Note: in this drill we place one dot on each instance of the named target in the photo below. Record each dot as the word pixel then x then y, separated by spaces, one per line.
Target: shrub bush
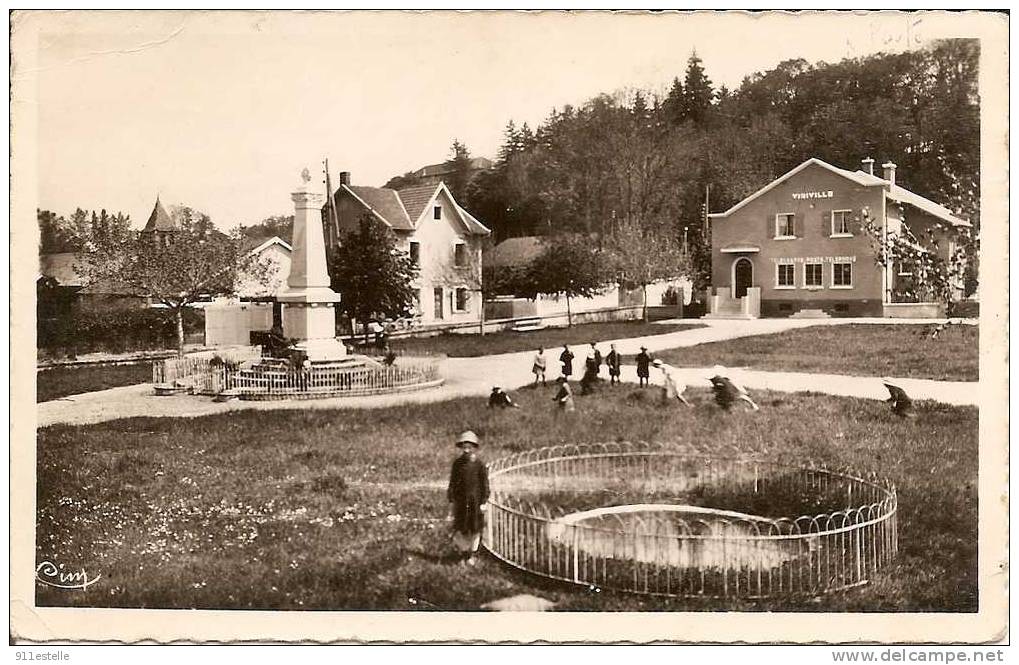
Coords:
pixel 113 331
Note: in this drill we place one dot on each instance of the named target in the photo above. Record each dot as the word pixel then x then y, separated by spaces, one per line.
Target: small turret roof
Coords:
pixel 159 220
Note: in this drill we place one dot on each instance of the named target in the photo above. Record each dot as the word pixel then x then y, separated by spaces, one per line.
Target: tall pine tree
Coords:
pixel 697 91
pixel 674 103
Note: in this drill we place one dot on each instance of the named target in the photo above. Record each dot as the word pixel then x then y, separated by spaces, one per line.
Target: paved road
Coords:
pixel 476 376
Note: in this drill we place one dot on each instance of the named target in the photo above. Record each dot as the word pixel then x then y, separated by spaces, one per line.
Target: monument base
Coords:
pixel 322 350
pixel 309 316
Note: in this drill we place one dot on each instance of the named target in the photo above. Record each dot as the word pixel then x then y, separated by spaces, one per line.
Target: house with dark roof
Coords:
pixel 514 252
pixel 441 237
pixel 433 174
pixel 798 246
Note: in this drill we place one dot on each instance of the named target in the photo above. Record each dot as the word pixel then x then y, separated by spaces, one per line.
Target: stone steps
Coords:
pixel 810 314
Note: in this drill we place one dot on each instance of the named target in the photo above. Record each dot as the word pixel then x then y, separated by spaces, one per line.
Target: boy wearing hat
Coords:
pixel 468 497
pixel 673 385
pixel 614 362
pixel 643 366
pixel 499 399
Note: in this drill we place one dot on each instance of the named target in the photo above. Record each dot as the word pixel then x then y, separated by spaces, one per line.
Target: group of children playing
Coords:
pixel 726 390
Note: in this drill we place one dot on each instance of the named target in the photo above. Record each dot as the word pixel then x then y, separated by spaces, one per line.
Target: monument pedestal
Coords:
pixel 311 319
pixel 308 301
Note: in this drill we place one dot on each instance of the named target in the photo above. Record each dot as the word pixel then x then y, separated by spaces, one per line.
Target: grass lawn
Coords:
pixel 345 509
pixel 866 349
pixel 63 381
pixel 507 341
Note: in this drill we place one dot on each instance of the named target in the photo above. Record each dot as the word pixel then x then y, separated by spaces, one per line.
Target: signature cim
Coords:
pixel 53 575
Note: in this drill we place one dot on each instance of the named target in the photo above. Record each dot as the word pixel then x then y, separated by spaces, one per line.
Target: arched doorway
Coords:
pixel 742 276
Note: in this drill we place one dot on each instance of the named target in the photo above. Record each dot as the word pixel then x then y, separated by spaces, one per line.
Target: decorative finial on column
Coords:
pixel 305 175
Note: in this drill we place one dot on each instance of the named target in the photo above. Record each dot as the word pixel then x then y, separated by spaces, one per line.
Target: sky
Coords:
pixel 222 110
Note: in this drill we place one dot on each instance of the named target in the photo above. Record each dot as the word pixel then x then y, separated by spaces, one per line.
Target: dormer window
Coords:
pixel 437 212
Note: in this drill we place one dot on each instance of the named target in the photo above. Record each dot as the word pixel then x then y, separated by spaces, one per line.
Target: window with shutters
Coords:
pixel 840 224
pixel 842 275
pixel 785 275
pixel 785 226
pixel 812 276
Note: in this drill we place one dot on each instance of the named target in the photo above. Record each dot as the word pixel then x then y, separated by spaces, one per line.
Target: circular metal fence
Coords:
pixel 646 519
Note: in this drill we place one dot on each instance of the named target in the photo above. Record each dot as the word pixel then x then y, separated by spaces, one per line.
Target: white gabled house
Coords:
pixel 274 255
pixel 440 235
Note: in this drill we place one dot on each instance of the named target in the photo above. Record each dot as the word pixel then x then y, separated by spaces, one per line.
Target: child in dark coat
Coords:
pixel 468 497
pixel 590 377
pixel 499 399
pixel 566 358
pixel 728 392
pixel 643 366
pixel 614 362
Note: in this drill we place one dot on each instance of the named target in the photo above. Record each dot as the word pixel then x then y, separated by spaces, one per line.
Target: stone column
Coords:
pixel 308 301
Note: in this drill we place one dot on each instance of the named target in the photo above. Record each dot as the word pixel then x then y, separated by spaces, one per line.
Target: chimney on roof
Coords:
pixel 868 165
pixel 345 178
pixel 889 168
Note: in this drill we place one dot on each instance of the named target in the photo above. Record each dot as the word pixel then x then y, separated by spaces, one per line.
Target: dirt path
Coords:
pixel 476 376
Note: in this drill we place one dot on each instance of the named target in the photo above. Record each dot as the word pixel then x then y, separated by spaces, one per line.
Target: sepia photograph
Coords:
pixel 588 325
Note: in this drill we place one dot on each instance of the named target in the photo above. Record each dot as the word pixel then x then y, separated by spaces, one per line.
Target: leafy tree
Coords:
pixel 58 234
pixel 568 267
pixel 176 269
pixel 371 275
pixel 936 273
pixel 274 225
pixel 408 179
pixel 643 256
pixel 54 234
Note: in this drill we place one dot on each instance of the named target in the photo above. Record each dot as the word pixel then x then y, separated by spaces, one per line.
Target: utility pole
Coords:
pixel 707 207
pixel 330 211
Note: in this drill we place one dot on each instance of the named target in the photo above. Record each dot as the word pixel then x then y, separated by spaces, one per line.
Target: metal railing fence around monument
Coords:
pixel 190 368
pixel 636 518
pixel 206 375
